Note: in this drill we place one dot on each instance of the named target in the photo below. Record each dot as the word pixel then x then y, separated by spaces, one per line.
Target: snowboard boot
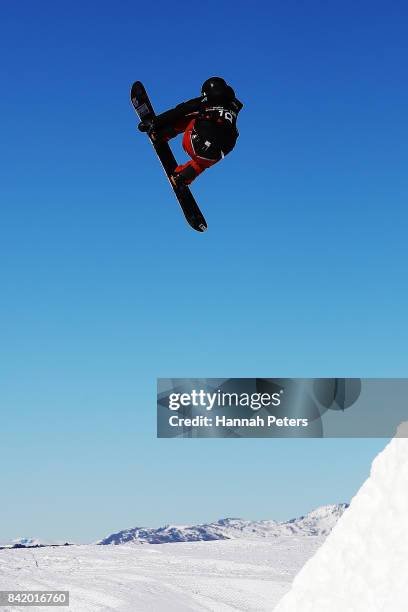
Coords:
pixel 183 177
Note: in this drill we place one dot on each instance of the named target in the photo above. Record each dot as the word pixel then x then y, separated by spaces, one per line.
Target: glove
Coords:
pixel 145 127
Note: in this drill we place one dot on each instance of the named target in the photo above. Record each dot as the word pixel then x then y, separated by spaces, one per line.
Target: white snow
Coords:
pixel 363 564
pixel 219 576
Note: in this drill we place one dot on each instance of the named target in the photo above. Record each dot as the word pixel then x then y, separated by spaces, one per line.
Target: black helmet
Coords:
pixel 216 90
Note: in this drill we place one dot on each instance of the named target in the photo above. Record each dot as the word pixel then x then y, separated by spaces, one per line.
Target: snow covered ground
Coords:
pixel 363 565
pixel 221 576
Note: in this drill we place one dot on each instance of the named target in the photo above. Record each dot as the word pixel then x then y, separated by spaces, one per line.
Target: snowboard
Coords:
pixel 144 109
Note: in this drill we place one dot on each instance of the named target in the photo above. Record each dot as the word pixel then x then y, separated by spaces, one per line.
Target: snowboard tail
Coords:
pixel 144 109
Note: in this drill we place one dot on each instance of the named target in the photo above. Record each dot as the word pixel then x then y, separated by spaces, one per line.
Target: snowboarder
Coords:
pixel 209 126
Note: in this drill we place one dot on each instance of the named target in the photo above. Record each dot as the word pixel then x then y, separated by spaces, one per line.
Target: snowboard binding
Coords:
pixel 177 181
pixel 148 128
pixel 183 178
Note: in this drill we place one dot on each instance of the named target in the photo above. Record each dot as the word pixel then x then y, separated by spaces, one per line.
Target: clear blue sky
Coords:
pixel 104 287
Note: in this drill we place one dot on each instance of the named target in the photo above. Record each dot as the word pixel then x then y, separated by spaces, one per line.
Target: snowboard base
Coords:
pixel 144 110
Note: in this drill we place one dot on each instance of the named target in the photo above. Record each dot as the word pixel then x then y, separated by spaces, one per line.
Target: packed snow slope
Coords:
pixel 317 523
pixel 219 576
pixel 246 566
pixel 363 564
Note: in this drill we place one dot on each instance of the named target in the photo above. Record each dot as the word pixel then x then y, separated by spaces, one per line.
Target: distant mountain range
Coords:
pixel 317 523
pixel 320 522
pixel 31 543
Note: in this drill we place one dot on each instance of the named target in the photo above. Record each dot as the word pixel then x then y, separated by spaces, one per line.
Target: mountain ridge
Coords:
pixel 318 522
